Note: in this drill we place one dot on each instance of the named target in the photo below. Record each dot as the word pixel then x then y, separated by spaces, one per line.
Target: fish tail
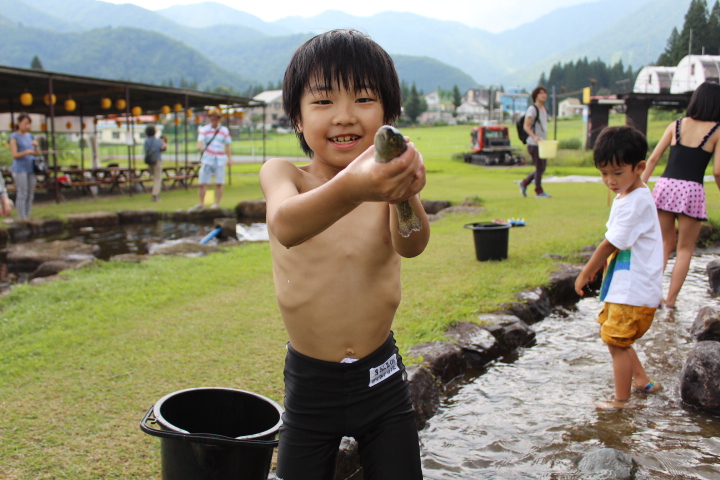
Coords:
pixel 408 221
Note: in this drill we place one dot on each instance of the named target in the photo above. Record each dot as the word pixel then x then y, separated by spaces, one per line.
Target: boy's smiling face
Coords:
pixel 339 124
pixel 622 179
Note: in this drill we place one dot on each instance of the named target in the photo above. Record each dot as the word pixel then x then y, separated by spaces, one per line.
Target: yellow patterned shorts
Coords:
pixel 622 324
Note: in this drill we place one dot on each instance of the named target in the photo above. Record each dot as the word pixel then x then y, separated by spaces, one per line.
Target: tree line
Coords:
pixel 570 78
pixel 700 34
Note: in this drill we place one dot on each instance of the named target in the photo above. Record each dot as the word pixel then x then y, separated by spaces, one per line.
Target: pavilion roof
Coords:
pixel 88 91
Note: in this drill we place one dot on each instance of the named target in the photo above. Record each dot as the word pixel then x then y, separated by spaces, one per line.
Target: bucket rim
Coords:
pixel 169 426
pixel 487 226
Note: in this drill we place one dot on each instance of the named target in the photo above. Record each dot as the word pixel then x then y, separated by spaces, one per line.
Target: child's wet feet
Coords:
pixel 614 404
pixel 651 387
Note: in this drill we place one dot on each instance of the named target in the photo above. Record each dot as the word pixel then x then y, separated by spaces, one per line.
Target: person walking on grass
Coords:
pixel 336 252
pixel 536 126
pixel 679 194
pixel 153 157
pixel 23 148
pixel 214 147
pixel 632 256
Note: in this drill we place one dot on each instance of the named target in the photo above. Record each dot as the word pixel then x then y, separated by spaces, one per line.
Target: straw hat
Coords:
pixel 214 111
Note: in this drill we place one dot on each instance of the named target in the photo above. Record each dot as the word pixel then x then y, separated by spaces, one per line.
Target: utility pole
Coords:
pixel 554 109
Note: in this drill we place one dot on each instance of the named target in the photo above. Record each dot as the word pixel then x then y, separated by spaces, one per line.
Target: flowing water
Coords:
pixel 136 238
pixel 531 415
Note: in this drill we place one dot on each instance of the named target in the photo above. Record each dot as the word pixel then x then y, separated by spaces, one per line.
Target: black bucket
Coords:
pixel 215 433
pixel 491 240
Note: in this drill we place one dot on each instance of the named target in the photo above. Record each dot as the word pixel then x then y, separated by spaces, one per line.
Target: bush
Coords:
pixel 570 144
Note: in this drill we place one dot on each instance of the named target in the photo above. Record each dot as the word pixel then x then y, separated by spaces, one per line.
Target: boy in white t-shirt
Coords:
pixel 632 253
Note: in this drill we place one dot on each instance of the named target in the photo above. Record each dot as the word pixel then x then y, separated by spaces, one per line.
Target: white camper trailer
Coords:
pixel 654 80
pixel 694 70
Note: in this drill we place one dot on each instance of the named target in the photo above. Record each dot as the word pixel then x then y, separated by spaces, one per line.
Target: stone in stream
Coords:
pixel 706 325
pixel 700 377
pixel 608 463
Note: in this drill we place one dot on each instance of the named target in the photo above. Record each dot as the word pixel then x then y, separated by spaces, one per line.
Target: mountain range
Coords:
pixel 183 42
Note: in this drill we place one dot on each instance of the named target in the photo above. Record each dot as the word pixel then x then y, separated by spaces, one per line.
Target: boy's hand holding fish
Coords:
pixel 369 180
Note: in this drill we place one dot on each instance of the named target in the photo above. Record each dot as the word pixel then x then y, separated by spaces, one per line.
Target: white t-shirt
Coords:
pixel 540 126
pixel 633 275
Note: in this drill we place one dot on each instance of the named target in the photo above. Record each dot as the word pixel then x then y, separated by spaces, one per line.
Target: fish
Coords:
pixel 390 143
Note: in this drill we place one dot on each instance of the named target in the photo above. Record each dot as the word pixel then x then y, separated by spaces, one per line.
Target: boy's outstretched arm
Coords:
pixel 296 213
pixel 596 262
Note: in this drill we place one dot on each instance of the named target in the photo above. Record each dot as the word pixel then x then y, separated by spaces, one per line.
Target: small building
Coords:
pixel 514 102
pixel 110 132
pixel 569 107
pixel 274 115
pixel 694 70
pixel 654 79
pixel 439 109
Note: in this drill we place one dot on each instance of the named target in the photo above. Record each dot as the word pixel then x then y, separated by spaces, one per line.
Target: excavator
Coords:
pixel 491 146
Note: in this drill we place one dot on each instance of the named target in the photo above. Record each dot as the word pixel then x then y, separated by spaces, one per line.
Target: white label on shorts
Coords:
pixel 380 373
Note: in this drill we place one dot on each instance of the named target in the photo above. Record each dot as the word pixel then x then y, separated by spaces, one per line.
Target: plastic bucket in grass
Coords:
pixel 491 240
pixel 214 433
pixel 547 148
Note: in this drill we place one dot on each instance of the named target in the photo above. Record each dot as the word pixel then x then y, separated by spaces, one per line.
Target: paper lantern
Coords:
pixel 43 127
pixel 189 113
pixel 26 99
pixel 177 121
pixel 105 103
pixel 120 104
pixel 95 121
pixel 136 111
pixel 178 108
pixel 70 105
pixel 12 126
pixel 68 125
pixel 118 123
pixel 138 121
pixel 197 119
pixel 238 114
pixel 49 99
pixel 165 109
pixel 83 126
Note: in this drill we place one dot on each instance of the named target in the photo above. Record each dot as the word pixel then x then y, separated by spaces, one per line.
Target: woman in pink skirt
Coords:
pixel 679 194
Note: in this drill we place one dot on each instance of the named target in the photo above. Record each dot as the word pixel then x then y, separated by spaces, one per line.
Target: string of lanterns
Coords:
pixel 70 105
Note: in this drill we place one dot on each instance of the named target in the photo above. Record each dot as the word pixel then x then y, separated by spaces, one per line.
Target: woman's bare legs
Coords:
pixel 689 230
pixel 667 228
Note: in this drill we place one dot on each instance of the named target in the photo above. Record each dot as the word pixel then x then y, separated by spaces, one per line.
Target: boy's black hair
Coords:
pixel 620 146
pixel 348 59
pixel 150 130
pixel 537 91
pixel 705 103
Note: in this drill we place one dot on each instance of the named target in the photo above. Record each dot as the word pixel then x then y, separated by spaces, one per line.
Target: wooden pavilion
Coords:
pixel 55 95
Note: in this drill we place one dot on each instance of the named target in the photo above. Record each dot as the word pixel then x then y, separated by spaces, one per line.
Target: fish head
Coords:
pixel 389 143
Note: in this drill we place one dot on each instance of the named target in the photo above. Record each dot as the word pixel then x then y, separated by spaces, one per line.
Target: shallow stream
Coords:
pixel 135 238
pixel 531 415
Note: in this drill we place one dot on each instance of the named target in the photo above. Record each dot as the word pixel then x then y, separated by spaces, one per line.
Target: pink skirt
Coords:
pixel 680 196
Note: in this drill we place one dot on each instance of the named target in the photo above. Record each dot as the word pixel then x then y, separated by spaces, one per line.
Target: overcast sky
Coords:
pixel 491 15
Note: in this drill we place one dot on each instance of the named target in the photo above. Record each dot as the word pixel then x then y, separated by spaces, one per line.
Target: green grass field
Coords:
pixel 81 360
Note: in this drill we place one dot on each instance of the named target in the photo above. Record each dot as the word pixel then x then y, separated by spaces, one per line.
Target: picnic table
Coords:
pixel 89 181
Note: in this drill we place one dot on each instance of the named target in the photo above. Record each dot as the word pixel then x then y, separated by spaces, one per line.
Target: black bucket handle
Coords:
pixel 206 438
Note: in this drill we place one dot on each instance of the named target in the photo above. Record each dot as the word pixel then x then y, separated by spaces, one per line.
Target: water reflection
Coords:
pixel 136 238
pixel 531 416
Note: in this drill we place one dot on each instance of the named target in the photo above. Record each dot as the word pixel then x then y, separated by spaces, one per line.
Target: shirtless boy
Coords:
pixel 336 262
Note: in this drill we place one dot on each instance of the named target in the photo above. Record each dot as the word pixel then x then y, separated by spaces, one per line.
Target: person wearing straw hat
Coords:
pixel 536 126
pixel 214 147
